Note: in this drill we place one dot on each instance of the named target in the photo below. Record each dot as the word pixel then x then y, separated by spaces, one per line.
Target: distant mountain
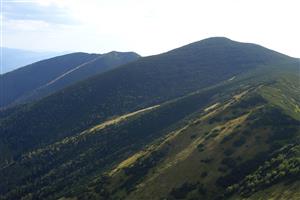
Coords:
pixel 16 58
pixel 216 119
pixel 45 77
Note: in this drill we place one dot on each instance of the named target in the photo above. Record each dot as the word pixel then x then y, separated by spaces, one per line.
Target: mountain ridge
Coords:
pixel 208 121
pixel 21 86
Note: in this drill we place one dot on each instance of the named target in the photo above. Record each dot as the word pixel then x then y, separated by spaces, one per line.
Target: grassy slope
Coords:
pixel 77 155
pixel 26 79
pixel 189 162
pixel 279 191
pixel 189 152
pixel 96 149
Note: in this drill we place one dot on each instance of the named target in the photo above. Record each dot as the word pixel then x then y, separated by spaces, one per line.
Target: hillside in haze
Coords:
pixel 215 119
pixel 45 77
pixel 16 58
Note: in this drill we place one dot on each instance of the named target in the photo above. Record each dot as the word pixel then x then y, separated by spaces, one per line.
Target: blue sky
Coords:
pixel 147 26
pixel 16 10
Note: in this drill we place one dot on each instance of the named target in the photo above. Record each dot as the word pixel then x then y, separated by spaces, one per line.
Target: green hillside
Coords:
pixel 213 120
pixel 25 79
pixel 235 149
pixel 45 77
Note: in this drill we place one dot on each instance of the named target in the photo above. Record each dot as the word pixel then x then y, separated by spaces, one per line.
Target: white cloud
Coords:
pixel 59 3
pixel 25 25
pixel 153 26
